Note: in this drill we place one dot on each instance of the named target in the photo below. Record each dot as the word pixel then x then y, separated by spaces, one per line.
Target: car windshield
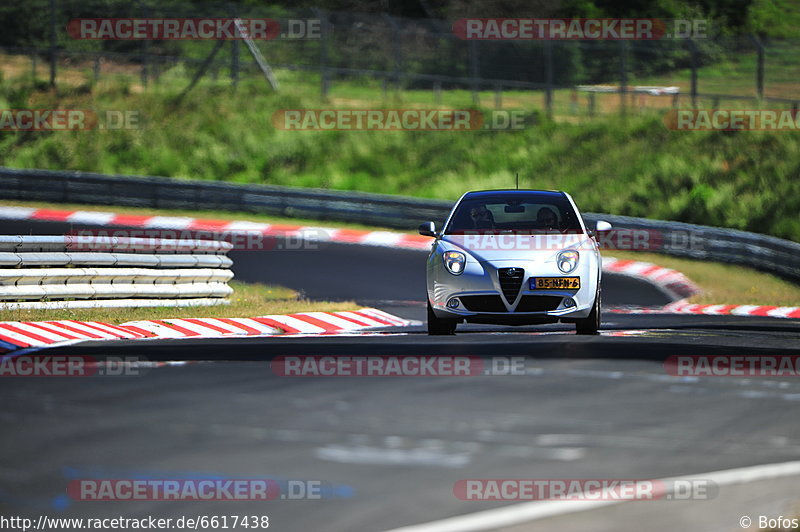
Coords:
pixel 516 213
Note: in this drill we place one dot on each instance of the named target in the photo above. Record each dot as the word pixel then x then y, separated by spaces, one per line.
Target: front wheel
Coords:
pixel 439 326
pixel 591 324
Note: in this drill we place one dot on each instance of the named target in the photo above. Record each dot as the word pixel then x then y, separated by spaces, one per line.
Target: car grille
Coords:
pixel 538 303
pixel 483 303
pixel 510 282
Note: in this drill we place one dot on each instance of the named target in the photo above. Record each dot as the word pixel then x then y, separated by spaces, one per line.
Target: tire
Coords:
pixel 440 326
pixel 591 324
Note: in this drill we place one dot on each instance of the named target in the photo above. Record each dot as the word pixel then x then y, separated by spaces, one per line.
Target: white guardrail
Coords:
pixel 89 271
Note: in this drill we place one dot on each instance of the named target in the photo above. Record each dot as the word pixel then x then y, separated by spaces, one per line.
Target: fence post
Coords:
pixel 261 62
pixel 474 72
pixel 235 63
pixel 397 51
pixel 235 52
pixel 202 70
pixel 623 76
pixel 548 76
pixel 759 67
pixel 694 61
pixel 323 52
pixel 146 49
pixel 53 43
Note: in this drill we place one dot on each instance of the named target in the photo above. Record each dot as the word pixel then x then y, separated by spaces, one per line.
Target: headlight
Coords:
pixel 454 261
pixel 567 261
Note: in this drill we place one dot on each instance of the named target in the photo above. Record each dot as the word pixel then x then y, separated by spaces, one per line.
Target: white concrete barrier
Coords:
pixel 40 269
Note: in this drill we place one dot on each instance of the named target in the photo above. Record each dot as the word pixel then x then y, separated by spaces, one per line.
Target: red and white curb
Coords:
pixel 179 223
pixel 16 335
pixel 683 307
pixel 672 281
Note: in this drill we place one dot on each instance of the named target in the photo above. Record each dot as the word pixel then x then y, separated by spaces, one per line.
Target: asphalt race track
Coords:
pixel 390 450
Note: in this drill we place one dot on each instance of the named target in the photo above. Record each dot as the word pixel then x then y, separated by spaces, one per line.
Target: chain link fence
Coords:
pixel 345 49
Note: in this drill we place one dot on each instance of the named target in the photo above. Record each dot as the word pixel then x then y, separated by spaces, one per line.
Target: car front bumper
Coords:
pixel 480 298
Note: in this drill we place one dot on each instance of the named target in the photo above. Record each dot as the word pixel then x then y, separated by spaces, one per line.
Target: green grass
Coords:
pixel 724 284
pixel 247 301
pixel 633 166
pixel 735 73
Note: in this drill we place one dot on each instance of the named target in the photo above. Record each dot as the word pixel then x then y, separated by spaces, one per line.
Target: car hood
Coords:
pixel 510 247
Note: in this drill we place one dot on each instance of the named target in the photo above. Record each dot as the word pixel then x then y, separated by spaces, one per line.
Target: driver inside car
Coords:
pixel 547 219
pixel 482 218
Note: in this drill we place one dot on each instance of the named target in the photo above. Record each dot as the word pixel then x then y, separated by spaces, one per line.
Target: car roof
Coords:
pixel 512 192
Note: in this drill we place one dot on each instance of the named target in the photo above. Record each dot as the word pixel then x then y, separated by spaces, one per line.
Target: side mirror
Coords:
pixel 602 226
pixel 428 229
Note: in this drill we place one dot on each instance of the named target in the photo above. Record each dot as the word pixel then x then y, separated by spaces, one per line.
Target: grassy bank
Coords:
pixel 724 284
pixel 633 166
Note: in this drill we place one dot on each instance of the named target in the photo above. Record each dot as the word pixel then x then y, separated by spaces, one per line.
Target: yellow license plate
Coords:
pixel 555 283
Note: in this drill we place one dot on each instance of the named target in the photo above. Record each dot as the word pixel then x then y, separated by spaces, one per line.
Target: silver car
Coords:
pixel 513 257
